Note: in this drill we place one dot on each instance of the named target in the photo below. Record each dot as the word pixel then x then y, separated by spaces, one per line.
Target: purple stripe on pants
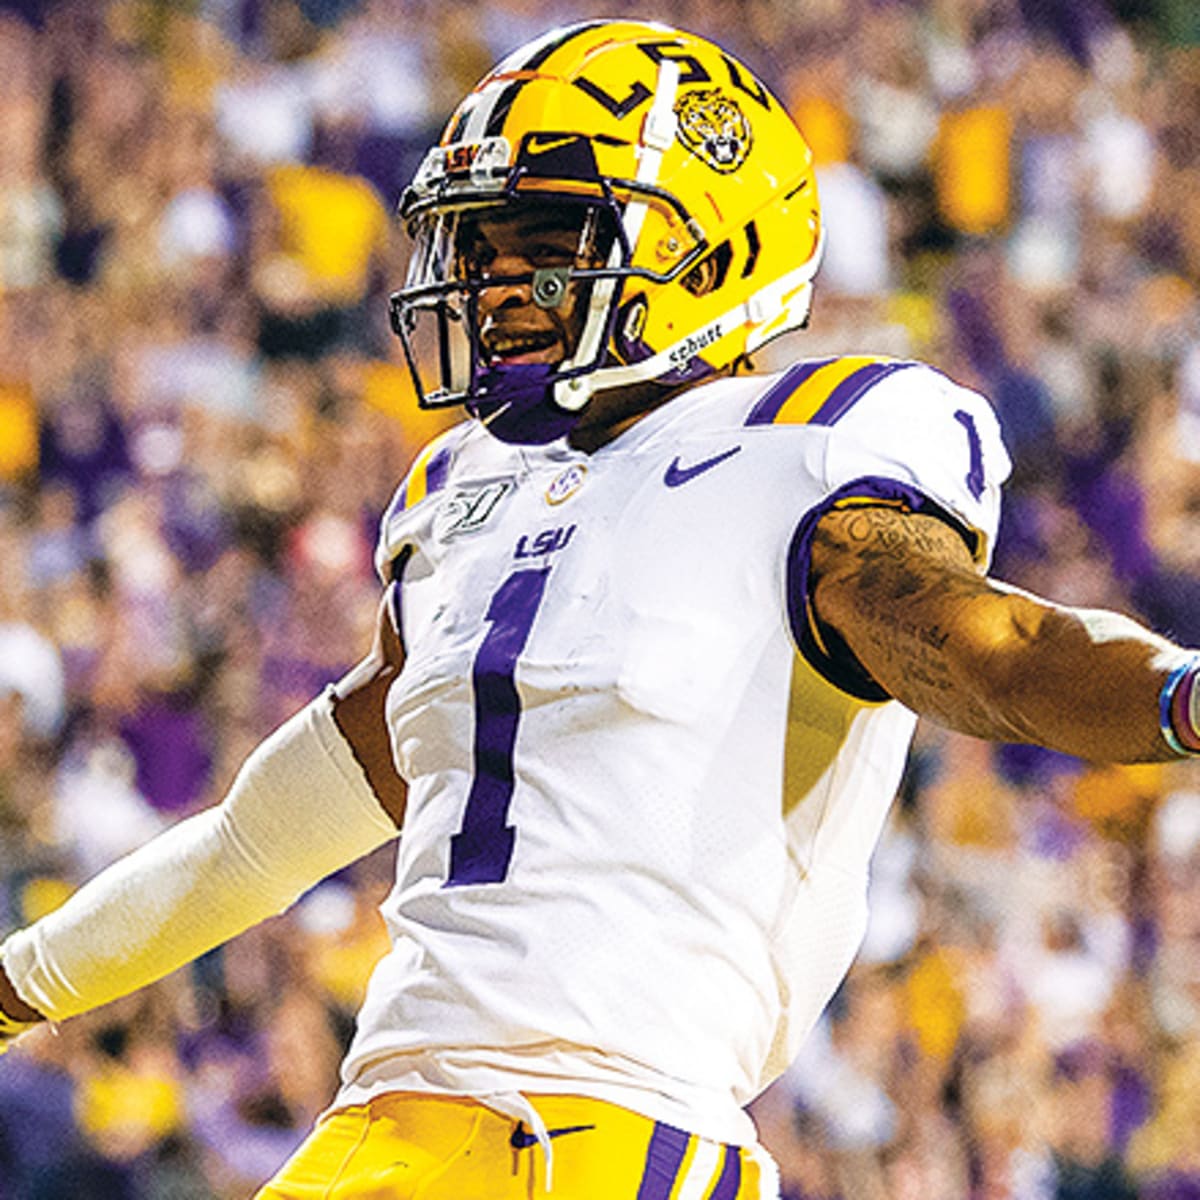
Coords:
pixel 767 409
pixel 663 1160
pixel 731 1176
pixel 842 398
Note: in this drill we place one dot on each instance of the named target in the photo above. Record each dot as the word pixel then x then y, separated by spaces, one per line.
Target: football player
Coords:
pixel 654 635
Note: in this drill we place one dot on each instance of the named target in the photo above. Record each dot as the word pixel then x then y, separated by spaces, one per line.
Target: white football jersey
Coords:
pixel 643 796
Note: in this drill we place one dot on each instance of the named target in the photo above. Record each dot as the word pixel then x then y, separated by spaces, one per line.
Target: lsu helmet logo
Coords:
pixel 714 128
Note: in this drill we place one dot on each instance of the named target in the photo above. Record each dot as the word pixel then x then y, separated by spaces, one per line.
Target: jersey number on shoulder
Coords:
pixel 482 849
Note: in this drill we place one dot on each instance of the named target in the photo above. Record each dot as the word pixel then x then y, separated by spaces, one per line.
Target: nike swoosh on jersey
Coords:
pixel 521 1140
pixel 678 474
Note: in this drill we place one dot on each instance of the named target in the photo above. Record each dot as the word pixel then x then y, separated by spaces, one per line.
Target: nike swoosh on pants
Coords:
pixel 521 1140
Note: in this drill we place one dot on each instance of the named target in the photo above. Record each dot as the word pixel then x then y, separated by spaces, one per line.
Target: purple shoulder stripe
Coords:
pixel 768 406
pixel 437 470
pixel 663 1160
pixel 843 397
pixel 397 505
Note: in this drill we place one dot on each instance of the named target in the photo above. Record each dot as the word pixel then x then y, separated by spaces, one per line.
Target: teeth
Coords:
pixel 521 345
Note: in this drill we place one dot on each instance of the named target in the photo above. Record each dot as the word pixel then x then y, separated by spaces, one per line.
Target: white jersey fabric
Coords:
pixel 643 791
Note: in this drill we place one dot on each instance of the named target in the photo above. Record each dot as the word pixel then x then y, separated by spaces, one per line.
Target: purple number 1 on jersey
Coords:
pixel 482 849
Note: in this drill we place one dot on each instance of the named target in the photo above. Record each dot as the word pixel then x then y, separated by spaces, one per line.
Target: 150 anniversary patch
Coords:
pixel 714 128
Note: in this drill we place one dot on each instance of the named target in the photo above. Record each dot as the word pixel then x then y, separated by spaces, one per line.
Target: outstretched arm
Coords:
pixel 980 657
pixel 316 795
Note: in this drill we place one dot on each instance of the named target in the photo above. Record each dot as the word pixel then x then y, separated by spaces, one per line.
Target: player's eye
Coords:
pixel 474 261
pixel 551 254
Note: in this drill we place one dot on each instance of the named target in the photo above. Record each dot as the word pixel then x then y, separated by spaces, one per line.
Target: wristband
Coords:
pixel 1179 709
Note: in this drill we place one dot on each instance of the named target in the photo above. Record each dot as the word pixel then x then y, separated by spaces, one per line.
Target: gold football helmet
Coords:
pixel 695 201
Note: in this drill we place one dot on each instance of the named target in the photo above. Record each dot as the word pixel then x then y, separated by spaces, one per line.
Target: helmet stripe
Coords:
pixel 459 125
pixel 533 54
pixel 568 35
pixel 481 112
pixel 502 108
pixel 496 113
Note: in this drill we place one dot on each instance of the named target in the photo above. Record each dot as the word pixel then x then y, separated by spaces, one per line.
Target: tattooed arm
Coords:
pixel 973 654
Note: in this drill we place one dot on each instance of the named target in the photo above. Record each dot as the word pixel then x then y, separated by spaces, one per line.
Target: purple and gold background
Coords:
pixel 202 415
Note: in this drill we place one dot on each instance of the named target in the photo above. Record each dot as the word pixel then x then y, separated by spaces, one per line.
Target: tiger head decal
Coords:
pixel 714 128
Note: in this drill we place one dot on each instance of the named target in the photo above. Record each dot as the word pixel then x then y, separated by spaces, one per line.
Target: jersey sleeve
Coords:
pixel 919 429
pixel 917 441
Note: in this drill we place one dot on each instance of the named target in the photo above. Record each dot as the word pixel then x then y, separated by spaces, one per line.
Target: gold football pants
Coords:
pixel 409 1146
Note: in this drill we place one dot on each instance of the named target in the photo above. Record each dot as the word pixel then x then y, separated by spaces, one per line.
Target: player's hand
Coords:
pixel 11 1029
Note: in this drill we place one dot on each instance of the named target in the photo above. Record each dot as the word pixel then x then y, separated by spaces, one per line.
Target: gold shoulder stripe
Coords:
pixel 806 401
pixel 427 474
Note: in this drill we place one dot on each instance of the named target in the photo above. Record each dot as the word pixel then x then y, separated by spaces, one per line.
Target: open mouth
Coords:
pixel 523 346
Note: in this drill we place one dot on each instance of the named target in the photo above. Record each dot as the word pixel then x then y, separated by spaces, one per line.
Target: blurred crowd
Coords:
pixel 202 416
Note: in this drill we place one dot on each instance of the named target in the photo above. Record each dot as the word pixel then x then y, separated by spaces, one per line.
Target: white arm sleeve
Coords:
pixel 299 809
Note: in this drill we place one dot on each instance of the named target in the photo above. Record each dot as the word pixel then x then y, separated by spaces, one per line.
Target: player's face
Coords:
pixel 513 329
